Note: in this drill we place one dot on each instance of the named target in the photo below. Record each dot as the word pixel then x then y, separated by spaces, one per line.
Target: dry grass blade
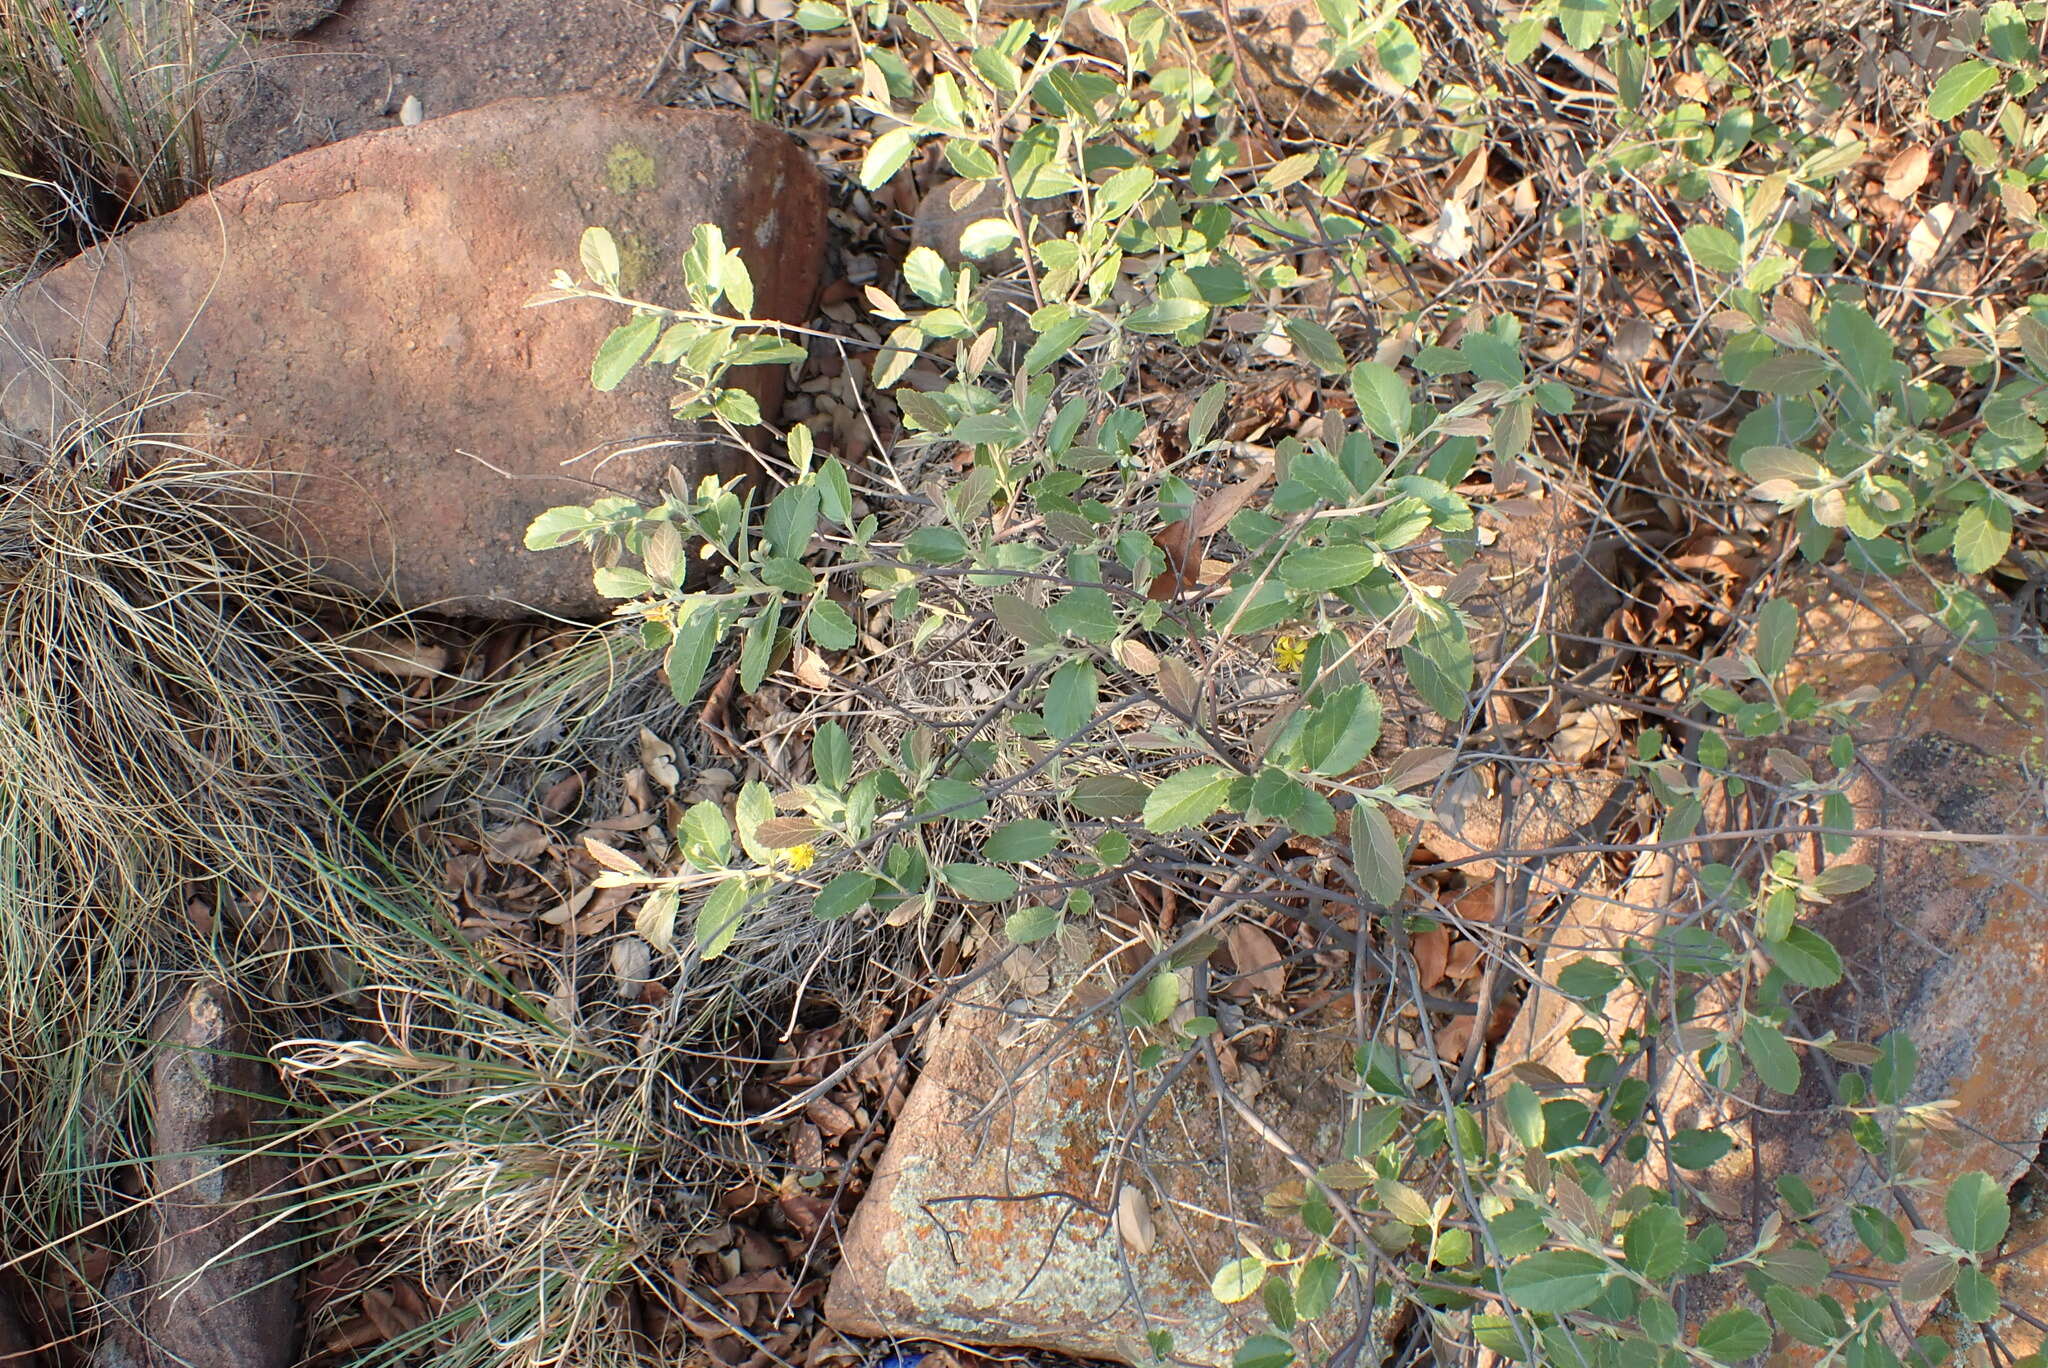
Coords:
pixel 100 122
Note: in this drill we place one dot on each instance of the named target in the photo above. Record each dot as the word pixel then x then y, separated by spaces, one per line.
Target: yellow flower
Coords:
pixel 1289 652
pixel 801 857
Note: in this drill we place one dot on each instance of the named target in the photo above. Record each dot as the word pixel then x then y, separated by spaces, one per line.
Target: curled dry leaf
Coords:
pixel 1933 235
pixel 611 857
pixel 1450 238
pixel 810 669
pixel 1134 1224
pixel 658 757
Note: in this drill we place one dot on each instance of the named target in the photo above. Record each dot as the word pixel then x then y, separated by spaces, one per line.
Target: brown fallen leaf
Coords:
pixel 514 843
pixel 1432 953
pixel 1183 562
pixel 1134 1224
pixel 1907 171
pixel 1258 959
pixel 1215 510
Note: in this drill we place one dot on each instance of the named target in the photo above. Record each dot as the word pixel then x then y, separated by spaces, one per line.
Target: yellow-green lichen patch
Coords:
pixel 636 261
pixel 628 169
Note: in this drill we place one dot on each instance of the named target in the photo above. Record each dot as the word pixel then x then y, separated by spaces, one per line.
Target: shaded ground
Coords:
pixel 356 72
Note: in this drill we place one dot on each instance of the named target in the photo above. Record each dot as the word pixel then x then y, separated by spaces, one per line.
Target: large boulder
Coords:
pixel 351 323
pixel 1944 945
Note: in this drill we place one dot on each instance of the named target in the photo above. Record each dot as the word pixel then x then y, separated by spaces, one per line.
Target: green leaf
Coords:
pixel 1654 1243
pixel 1262 1351
pixel 558 527
pixel 1109 795
pixel 616 581
pixel 1776 1063
pixel 1382 399
pixel 1807 958
pixel 985 237
pixel 599 254
pixel 1896 1067
pixel 1166 316
pixel 1028 839
pixel 1658 1319
pixel 1316 345
pixel 1400 54
pixel 980 883
pixel 935 546
pixel 791 518
pixel 1439 661
pixel 1976 1295
pixel 1238 1280
pixel 1584 21
pixel 1525 1116
pixel 689 652
pixel 754 806
pixel 1087 613
pixel 623 350
pixel 1699 1149
pixel 718 921
pixel 1777 635
pixel 1029 925
pixel 843 894
pixel 1342 732
pixel 1555 1281
pixel 1319 568
pixel 1961 86
pixel 886 155
pixel 830 626
pixel 1880 1233
pixel 1315 1285
pixel 1983 535
pixel 1376 855
pixel 1734 1336
pixel 1977 1212
pixel 707 839
pixel 1714 248
pixel 1070 700
pixel 924 271
pixel 1193 795
pixel 1804 1318
pixel 815 16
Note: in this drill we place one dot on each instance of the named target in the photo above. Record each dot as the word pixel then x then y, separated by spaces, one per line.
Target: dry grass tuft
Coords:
pixel 99 123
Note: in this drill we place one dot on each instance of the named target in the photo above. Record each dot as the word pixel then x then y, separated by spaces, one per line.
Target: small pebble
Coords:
pixel 412 111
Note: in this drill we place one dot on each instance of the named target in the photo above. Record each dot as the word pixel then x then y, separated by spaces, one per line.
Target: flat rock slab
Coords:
pixel 1946 944
pixel 351 322
pixel 993 1217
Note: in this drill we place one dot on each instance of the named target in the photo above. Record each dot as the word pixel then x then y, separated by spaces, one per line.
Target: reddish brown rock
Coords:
pixel 1946 945
pixel 350 321
pixel 993 1217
